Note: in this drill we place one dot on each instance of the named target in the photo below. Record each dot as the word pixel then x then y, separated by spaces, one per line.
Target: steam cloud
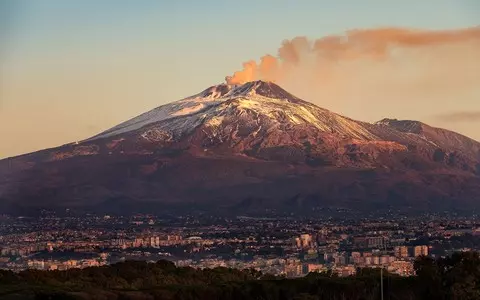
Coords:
pixel 300 54
pixel 381 73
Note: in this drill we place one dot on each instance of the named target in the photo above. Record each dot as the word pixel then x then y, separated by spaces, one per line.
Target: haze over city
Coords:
pixel 70 70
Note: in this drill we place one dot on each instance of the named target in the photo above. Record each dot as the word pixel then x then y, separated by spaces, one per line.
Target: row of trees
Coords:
pixel 455 277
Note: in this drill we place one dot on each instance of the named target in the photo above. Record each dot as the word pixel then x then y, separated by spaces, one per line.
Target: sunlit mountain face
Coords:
pixel 249 147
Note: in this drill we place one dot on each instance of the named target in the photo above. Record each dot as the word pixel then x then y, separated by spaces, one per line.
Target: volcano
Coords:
pixel 249 148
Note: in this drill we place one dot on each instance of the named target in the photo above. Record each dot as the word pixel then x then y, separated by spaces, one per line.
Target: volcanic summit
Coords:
pixel 249 148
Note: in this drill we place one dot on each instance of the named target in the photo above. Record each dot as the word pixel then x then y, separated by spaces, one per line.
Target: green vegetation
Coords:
pixel 455 277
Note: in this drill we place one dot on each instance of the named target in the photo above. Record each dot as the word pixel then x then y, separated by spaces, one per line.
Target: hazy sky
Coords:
pixel 70 69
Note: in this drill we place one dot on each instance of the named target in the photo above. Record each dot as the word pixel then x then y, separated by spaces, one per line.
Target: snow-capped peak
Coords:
pixel 209 97
pixel 265 89
pixel 214 92
pixel 262 88
pixel 240 102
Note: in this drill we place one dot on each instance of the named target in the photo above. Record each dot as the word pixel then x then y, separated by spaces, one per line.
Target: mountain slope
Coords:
pixel 249 102
pixel 253 146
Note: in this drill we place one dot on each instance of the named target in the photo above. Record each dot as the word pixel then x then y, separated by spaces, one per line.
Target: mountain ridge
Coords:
pixel 231 142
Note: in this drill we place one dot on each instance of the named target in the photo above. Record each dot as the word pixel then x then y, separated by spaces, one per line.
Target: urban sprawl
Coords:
pixel 291 247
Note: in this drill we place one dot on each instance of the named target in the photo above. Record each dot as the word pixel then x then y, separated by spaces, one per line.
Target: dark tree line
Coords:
pixel 454 277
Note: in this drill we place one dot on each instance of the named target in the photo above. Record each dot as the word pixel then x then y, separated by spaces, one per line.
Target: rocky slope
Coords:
pixel 250 147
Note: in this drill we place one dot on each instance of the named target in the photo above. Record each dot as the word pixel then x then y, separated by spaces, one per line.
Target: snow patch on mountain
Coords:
pixel 246 103
pixel 185 107
pixel 215 121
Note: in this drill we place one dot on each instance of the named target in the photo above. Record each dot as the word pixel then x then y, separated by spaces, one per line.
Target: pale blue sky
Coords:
pixel 152 52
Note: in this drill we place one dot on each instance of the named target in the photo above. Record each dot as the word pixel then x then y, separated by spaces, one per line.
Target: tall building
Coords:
pixel 375 242
pixel 368 260
pixel 174 239
pixel 152 242
pixel 318 268
pixel 420 250
pixel 386 259
pixel 340 259
pixel 304 241
pixel 138 243
pixel 356 258
pixel 356 254
pixel 401 251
